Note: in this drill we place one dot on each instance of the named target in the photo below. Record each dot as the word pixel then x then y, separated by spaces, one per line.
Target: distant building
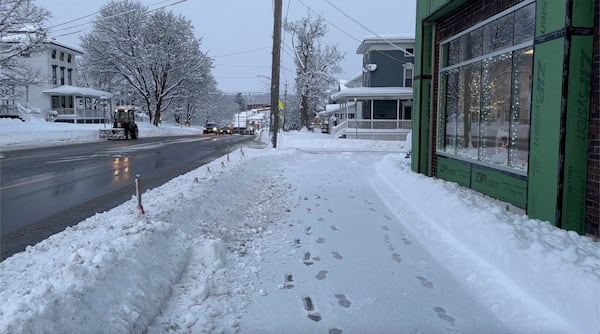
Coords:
pixel 55 94
pixel 506 103
pixel 381 106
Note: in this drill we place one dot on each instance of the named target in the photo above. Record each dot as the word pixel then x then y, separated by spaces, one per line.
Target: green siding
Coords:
pixel 576 143
pixel 545 130
pixel 454 171
pixel 500 185
pixel 550 16
pixel 583 13
pixel 503 186
pixel 421 100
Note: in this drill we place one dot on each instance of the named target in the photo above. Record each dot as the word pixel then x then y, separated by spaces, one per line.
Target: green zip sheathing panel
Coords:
pixel 545 130
pixel 454 171
pixel 549 17
pixel 577 118
pixel 576 140
pixel 422 101
pixel 506 187
pixel 560 105
pixel 547 90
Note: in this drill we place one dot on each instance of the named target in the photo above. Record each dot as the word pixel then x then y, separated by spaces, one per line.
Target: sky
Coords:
pixel 238 34
pixel 329 235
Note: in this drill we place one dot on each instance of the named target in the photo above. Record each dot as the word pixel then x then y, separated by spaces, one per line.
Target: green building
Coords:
pixel 506 103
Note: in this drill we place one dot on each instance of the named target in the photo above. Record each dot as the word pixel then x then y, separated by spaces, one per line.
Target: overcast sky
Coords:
pixel 238 33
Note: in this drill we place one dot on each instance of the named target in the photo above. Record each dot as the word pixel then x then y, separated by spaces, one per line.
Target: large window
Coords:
pixel 54 74
pixel 485 88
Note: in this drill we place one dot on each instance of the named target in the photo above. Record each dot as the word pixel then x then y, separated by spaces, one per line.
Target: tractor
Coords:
pixel 124 126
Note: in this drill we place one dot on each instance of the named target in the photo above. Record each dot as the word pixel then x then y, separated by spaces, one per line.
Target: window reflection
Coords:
pixel 485 101
pixel 498 34
pixel 524 24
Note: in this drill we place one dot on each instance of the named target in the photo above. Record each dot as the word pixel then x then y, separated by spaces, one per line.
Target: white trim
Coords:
pixel 523 45
pixel 374 93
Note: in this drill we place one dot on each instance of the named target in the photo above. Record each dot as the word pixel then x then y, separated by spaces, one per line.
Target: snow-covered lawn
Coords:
pixel 326 235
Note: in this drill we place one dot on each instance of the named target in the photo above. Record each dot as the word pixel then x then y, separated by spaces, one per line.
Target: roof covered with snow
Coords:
pixel 394 41
pixel 375 93
pixel 67 90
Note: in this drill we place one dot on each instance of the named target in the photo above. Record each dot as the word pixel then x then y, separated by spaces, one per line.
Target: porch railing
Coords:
pixel 78 114
pixel 379 124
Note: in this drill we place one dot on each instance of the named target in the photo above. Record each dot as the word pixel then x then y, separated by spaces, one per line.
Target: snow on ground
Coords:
pixel 319 235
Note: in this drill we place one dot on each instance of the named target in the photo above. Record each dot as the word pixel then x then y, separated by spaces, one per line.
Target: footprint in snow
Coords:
pixel 343 301
pixel 322 275
pixel 425 282
pixel 337 255
pixel 441 312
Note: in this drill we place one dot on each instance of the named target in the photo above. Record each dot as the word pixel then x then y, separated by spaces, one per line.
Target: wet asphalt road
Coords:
pixel 45 190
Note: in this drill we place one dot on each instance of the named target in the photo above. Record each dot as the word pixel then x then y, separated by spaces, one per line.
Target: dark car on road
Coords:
pixel 227 130
pixel 212 128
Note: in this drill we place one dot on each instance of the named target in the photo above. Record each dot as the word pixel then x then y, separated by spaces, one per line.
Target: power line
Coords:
pixel 107 17
pixel 367 29
pixel 333 24
pixel 242 52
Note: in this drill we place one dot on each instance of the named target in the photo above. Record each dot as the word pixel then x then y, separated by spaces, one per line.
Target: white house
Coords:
pixel 55 94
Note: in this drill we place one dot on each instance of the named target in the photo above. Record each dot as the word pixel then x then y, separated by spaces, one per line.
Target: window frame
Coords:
pixel 443 147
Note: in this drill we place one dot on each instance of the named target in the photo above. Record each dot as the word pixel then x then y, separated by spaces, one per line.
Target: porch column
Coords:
pixel 372 102
pixel 398 105
pixel 74 97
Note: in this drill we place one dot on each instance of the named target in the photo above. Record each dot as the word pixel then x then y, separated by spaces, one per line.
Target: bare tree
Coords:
pixel 21 34
pixel 316 66
pixel 195 96
pixel 154 53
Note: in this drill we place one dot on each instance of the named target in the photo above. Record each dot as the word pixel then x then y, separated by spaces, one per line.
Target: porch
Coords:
pixel 378 129
pixel 74 104
pixel 382 113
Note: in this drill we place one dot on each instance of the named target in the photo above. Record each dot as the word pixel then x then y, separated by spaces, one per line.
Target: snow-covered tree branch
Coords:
pixel 316 66
pixel 154 54
pixel 21 33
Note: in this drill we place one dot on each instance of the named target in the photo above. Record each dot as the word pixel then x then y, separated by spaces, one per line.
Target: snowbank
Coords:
pixel 557 268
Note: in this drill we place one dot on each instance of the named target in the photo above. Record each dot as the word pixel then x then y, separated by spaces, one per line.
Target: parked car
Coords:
pixel 212 128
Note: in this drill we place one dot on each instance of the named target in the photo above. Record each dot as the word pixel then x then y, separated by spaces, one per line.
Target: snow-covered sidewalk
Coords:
pixel 347 264
pixel 319 235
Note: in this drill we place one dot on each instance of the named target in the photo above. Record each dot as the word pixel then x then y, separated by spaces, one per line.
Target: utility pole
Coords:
pixel 275 71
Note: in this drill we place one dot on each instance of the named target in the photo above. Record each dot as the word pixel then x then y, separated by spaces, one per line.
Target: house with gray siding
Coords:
pixel 381 108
